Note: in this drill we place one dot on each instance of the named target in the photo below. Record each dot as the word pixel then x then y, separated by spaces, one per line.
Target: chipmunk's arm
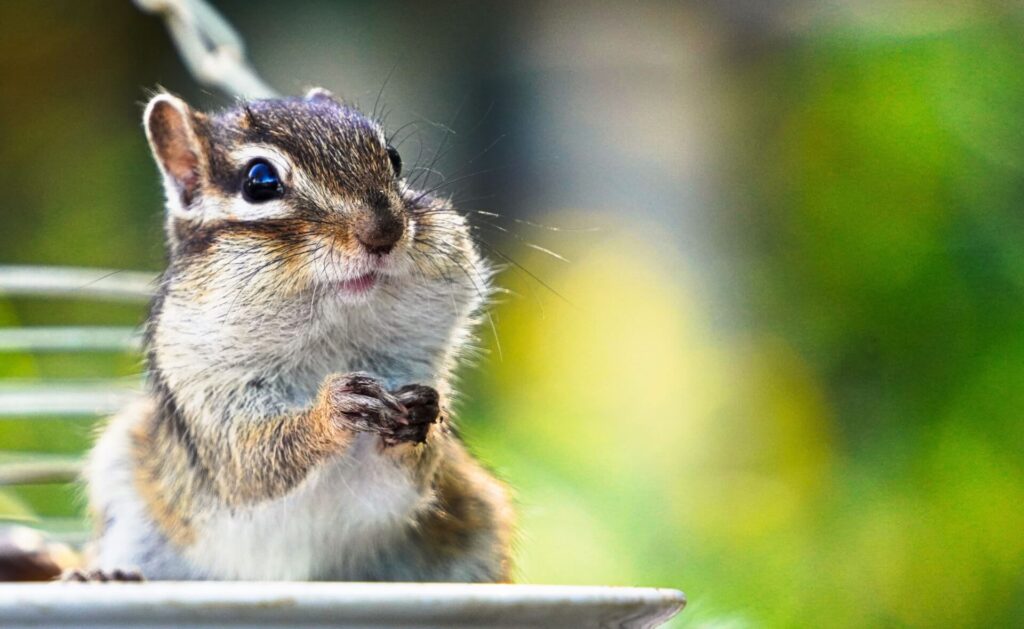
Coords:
pixel 247 460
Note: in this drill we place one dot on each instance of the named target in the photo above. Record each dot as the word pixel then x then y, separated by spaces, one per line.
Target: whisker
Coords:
pixel 533 224
pixel 380 93
pixel 527 243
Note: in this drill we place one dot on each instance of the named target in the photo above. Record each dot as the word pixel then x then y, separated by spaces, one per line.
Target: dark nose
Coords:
pixel 379 230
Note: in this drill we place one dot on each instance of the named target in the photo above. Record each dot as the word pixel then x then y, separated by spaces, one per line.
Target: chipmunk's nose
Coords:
pixel 379 228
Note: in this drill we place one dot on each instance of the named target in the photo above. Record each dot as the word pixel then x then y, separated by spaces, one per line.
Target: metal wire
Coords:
pixel 57 281
pixel 41 470
pixel 70 339
pixel 66 399
pixel 211 49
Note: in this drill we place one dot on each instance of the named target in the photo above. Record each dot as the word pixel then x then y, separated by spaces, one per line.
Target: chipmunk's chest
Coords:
pixel 329 527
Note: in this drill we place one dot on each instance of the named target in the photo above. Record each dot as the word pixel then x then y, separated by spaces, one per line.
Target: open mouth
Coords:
pixel 358 285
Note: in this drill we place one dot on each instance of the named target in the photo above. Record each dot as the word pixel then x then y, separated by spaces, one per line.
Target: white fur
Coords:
pixel 328 527
pixel 250 152
pixel 128 533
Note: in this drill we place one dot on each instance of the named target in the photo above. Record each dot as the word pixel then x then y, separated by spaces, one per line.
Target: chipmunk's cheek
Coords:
pixel 287 272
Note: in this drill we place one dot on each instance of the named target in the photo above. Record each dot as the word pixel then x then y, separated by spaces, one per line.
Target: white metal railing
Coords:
pixel 78 283
pixel 65 399
pixel 62 398
pixel 36 468
pixel 70 339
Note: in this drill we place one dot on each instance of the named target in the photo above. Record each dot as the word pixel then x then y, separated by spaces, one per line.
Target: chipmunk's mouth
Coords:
pixel 358 285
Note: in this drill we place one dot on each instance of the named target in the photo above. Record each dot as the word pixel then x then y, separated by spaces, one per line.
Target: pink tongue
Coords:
pixel 359 284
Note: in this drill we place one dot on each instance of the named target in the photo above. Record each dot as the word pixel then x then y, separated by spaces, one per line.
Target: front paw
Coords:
pixel 360 403
pixel 423 404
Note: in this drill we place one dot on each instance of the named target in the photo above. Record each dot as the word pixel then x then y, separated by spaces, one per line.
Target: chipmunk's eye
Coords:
pixel 261 183
pixel 396 160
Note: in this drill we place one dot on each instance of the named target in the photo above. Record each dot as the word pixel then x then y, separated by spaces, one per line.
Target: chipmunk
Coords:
pixel 300 350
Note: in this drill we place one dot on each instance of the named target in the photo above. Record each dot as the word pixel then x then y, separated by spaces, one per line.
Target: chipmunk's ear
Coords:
pixel 318 93
pixel 172 134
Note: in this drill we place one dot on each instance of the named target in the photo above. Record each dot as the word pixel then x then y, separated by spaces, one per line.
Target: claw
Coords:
pixel 101 576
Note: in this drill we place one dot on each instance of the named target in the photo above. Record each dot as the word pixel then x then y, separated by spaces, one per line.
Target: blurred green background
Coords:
pixel 783 367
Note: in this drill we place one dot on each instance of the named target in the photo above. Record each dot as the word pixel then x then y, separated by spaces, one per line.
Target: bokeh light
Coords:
pixel 781 367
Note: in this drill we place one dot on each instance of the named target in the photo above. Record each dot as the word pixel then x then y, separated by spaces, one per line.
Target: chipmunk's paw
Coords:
pixel 423 404
pixel 101 576
pixel 360 403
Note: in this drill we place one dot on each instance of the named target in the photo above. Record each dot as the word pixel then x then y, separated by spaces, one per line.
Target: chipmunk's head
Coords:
pixel 297 199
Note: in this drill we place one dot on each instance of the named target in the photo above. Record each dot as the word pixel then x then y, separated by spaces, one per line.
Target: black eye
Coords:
pixel 396 160
pixel 261 183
